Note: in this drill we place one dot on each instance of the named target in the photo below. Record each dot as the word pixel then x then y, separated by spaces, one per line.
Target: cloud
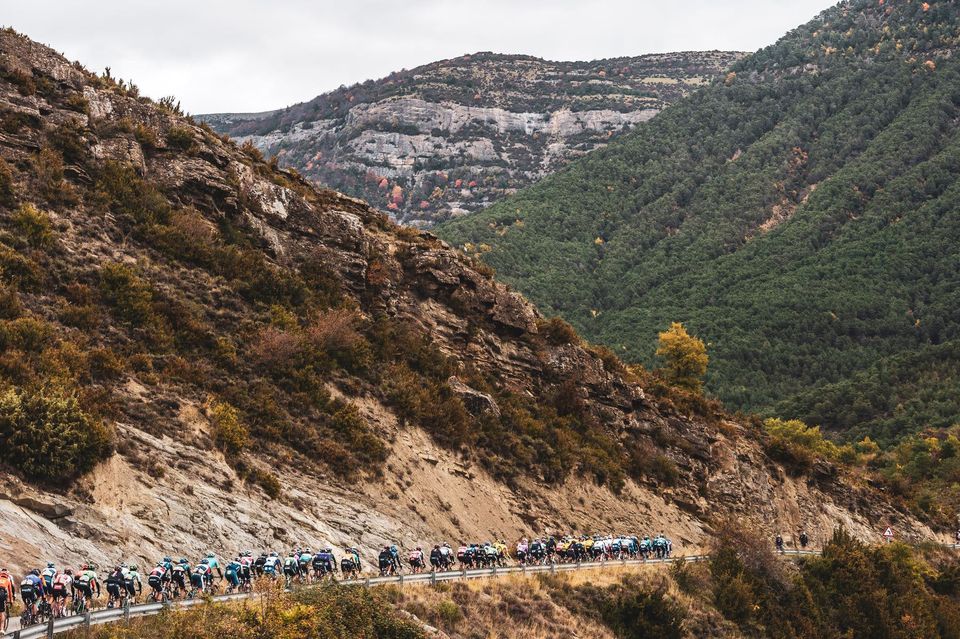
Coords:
pixel 253 55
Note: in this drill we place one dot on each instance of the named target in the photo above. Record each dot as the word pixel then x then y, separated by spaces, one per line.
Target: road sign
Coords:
pixel 888 533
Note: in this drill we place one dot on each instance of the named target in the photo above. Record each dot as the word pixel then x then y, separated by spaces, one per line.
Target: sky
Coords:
pixel 255 55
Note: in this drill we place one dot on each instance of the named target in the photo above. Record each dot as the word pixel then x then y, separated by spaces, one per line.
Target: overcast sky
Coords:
pixel 253 55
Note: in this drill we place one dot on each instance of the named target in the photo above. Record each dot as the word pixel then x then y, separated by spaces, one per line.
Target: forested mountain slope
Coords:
pixel 450 137
pixel 801 215
pixel 198 350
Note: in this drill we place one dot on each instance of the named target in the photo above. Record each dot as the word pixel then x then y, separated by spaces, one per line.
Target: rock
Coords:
pixel 476 403
pixel 50 510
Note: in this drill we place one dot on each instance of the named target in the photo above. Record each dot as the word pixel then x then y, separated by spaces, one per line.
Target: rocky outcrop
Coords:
pixel 451 137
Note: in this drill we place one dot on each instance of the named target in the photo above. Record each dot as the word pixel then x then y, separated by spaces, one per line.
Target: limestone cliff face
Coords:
pixel 219 250
pixel 451 137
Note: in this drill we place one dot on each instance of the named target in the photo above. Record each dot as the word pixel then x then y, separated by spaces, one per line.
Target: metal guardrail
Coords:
pixel 56 626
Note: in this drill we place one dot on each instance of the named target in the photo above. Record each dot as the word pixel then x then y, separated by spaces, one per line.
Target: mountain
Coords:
pixel 201 351
pixel 799 215
pixel 450 137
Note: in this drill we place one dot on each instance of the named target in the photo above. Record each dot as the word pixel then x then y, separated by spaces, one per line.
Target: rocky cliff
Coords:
pixel 451 137
pixel 273 364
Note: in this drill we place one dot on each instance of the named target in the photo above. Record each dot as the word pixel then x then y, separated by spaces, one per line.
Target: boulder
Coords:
pixel 476 402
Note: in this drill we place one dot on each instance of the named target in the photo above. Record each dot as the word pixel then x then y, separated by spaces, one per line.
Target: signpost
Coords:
pixel 888 534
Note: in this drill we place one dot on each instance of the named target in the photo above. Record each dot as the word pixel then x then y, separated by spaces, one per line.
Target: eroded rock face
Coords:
pixel 448 138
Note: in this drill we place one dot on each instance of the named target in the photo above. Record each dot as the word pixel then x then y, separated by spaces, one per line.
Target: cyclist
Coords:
pixel 778 541
pixel 436 558
pixel 181 573
pixel 304 559
pixel 7 597
pixel 207 571
pixel 522 548
pixel 804 540
pixel 395 553
pixel 447 553
pixel 47 576
pixel 131 581
pixel 416 560
pixel 260 564
pixel 232 571
pixel 198 579
pixel 291 568
pixel 214 565
pixel 156 580
pixel 116 587
pixel 271 567
pixel 328 562
pixel 246 570
pixel 31 591
pixel 86 583
pixel 62 585
pixel 385 561
pixel 350 564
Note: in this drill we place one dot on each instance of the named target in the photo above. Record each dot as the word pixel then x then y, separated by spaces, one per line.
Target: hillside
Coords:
pixel 450 137
pixel 799 215
pixel 198 350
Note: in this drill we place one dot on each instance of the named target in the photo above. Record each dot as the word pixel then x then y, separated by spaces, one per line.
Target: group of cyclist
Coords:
pixel 538 551
pixel 44 593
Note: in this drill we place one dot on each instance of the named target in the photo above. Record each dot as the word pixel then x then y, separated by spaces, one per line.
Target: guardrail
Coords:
pixel 56 626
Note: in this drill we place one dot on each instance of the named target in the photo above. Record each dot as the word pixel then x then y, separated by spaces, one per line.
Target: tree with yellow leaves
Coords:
pixel 684 358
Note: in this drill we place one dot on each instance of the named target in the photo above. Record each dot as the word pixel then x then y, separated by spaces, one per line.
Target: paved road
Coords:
pixel 107 616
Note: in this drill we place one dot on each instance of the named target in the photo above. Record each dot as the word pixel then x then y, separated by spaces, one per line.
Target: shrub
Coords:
pixel 799 445
pixel 34 226
pixel 557 332
pixel 132 301
pixel 268 481
pixel 180 138
pixel 229 432
pixel 10 306
pixel 119 188
pixel 48 437
pixel 76 102
pixel 147 137
pixel 684 358
pixel 8 195
pixel 48 168
pixel 448 613
pixel 27 334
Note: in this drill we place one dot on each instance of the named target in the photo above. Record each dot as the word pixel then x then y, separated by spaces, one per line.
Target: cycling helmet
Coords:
pixel 328 550
pixel 35 572
pixel 168 559
pixel 204 561
pixel 68 571
pixel 133 567
pixel 50 564
pixel 84 567
pixel 116 569
pixel 273 554
pixel 183 560
pixel 210 555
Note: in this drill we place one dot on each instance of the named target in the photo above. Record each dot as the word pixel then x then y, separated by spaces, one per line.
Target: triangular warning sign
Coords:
pixel 888 532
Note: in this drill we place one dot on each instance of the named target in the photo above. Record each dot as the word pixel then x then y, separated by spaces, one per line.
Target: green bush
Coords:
pixel 48 437
pixel 180 138
pixel 229 431
pixel 34 226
